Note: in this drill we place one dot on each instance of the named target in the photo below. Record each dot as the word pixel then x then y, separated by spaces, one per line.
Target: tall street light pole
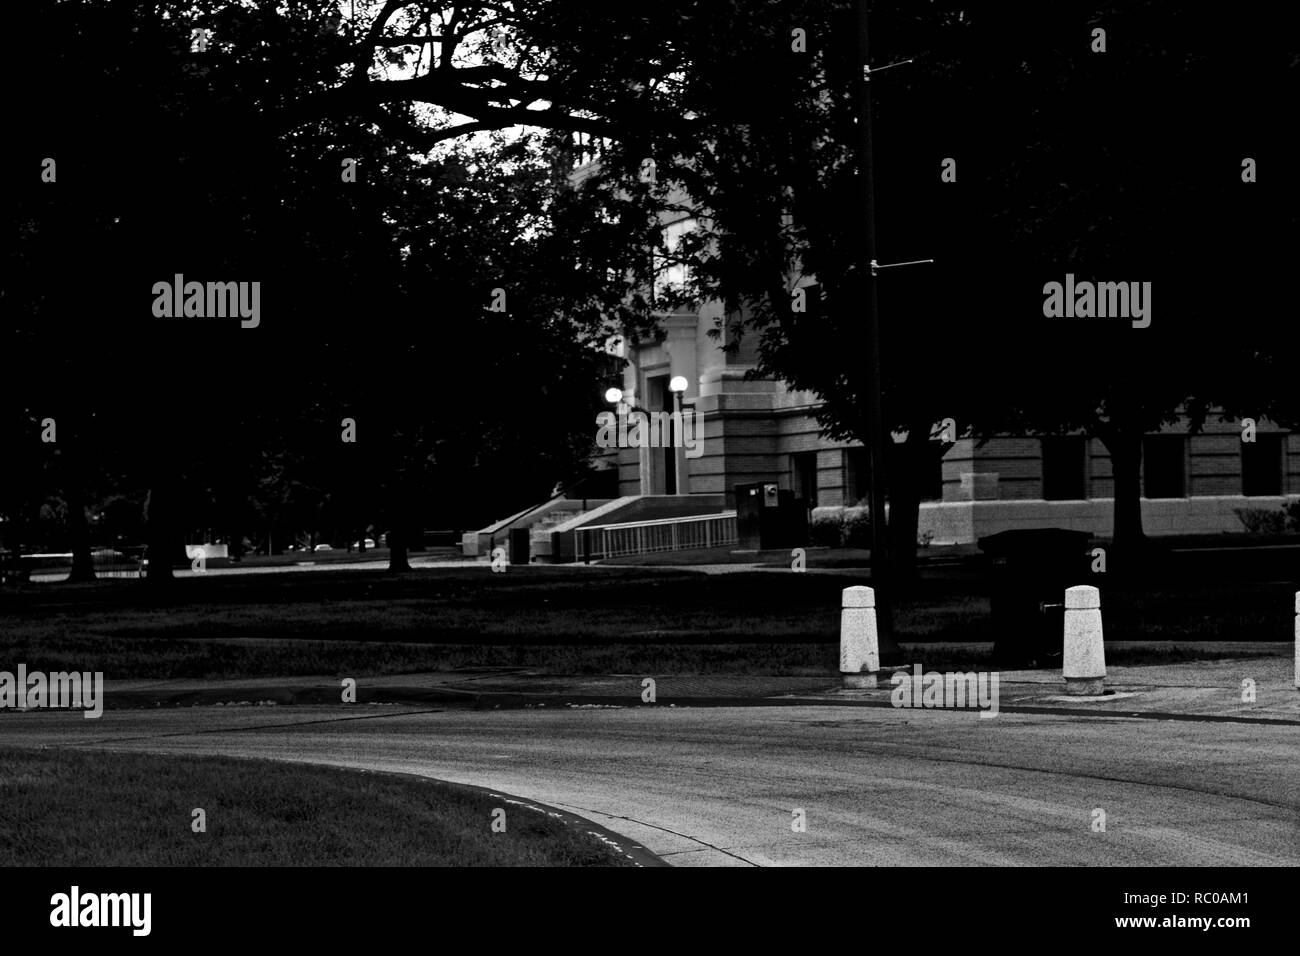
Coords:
pixel 881 578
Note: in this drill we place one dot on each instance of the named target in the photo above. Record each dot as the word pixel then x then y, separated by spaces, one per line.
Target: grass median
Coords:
pixel 75 808
pixel 568 620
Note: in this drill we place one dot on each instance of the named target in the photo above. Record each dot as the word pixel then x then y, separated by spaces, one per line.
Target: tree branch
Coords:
pixel 367 45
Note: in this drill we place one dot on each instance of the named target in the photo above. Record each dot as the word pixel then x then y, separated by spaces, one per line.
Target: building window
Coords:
pixel 1164 466
pixel 857 476
pixel 932 479
pixel 929 482
pixel 1065 468
pixel 803 477
pixel 1261 465
pixel 669 274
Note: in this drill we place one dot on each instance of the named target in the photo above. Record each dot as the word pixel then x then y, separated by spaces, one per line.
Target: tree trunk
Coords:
pixel 83 567
pixel 397 559
pixel 909 459
pixel 398 518
pixel 159 538
pixel 912 462
pixel 1126 464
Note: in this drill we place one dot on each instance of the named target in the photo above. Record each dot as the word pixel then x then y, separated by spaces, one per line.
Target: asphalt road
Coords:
pixel 718 786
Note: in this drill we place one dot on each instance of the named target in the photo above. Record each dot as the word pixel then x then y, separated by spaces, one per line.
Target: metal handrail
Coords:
pixel 675 542
pixel 657 521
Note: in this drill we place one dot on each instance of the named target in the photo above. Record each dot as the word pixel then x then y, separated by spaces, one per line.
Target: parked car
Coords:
pixel 370 543
pixel 323 547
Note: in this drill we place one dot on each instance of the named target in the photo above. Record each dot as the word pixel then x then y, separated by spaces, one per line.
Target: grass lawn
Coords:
pixel 74 808
pixel 567 619
pixel 370 622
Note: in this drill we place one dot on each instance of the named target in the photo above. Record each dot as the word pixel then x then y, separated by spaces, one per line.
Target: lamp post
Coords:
pixel 880 564
pixel 677 385
pixel 615 397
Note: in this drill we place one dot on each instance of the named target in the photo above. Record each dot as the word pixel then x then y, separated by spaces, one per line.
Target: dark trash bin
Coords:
pixel 1029 571
pixel 520 545
pixel 768 517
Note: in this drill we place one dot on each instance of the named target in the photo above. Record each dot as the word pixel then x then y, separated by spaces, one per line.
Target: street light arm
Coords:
pixel 876 266
pixel 867 69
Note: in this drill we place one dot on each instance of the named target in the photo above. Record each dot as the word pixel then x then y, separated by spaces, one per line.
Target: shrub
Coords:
pixel 1263 520
pixel 1292 511
pixel 856 528
pixel 841 528
pixel 825 531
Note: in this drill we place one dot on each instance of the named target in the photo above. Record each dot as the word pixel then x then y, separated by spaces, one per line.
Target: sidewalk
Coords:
pixel 1210 690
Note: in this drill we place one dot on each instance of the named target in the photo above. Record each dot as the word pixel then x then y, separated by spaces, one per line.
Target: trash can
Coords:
pixel 768 517
pixel 1029 571
pixel 520 545
pixel 752 501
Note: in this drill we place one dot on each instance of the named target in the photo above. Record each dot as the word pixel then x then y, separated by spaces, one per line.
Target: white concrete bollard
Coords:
pixel 859 640
pixel 1084 658
pixel 1297 640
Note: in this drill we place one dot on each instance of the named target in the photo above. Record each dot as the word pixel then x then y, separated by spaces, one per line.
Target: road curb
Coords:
pixel 505 700
pixel 630 848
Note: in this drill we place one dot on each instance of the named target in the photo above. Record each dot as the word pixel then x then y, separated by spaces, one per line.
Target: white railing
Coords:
pixel 660 534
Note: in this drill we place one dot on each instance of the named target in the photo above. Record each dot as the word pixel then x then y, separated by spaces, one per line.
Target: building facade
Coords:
pixel 750 430
pixel 758 430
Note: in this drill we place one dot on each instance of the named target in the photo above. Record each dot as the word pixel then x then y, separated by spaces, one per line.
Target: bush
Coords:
pixel 856 528
pixel 1292 511
pixel 844 528
pixel 1265 520
pixel 825 531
